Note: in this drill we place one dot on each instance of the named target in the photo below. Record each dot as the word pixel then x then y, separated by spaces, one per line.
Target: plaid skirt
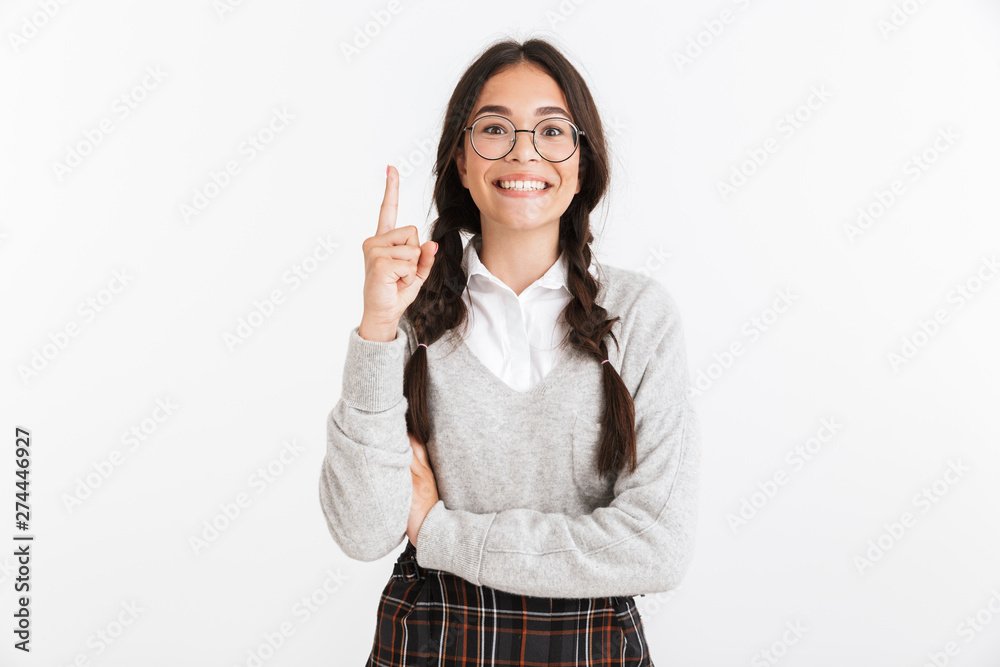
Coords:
pixel 434 618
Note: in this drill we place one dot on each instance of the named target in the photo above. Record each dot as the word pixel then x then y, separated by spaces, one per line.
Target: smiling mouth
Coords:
pixel 522 186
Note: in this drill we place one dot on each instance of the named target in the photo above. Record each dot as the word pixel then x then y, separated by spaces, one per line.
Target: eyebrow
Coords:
pixel 505 111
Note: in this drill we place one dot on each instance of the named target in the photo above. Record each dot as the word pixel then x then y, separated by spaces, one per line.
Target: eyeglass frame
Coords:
pixel 513 141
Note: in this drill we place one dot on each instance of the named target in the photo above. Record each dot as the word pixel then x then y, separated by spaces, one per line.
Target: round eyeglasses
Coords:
pixel 555 139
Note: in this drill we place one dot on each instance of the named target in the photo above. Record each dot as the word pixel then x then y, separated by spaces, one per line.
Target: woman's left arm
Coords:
pixel 641 543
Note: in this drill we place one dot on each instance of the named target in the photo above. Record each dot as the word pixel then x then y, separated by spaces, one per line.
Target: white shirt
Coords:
pixel 516 336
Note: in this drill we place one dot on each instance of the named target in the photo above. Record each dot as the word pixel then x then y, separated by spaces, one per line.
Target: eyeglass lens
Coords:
pixel 493 137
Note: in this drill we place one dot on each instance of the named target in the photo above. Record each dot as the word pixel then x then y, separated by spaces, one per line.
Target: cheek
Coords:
pixel 477 172
pixel 571 179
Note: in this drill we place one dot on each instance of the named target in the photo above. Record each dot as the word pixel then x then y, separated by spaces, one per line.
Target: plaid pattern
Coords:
pixel 433 618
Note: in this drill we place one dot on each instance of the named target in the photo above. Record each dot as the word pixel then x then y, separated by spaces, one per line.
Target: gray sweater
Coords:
pixel 522 508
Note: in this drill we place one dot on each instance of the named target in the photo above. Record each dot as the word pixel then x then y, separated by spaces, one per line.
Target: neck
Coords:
pixel 517 257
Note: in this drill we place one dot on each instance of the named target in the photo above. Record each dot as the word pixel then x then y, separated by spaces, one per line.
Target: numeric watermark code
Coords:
pixel 22 541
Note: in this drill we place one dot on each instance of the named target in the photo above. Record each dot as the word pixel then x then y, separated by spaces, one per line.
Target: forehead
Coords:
pixel 523 88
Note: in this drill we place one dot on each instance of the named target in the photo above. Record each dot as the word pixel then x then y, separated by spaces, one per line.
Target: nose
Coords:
pixel 525 150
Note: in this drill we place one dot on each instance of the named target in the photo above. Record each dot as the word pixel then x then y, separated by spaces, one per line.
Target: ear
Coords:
pixel 460 164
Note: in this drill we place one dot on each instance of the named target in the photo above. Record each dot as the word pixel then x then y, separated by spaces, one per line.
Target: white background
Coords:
pixel 677 131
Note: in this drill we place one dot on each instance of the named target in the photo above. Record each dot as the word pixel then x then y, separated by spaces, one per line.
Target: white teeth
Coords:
pixel 522 185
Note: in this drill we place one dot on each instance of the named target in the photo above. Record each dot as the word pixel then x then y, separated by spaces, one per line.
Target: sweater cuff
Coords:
pixel 373 372
pixel 453 541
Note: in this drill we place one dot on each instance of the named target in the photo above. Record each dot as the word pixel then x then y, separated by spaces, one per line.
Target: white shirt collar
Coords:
pixel 555 278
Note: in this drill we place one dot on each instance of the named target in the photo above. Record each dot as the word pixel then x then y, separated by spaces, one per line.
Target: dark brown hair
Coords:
pixel 439 308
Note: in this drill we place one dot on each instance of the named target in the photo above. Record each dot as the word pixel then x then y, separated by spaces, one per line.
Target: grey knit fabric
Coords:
pixel 522 507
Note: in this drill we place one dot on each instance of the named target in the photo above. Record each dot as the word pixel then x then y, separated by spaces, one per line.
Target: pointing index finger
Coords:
pixel 390 202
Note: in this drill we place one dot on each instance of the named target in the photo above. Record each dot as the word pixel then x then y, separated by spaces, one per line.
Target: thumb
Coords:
pixel 424 264
pixel 426 260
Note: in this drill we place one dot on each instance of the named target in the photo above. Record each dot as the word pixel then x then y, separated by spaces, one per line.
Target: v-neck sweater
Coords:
pixel 522 508
pixel 516 336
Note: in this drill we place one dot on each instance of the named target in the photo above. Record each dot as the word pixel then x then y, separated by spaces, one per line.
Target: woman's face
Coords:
pixel 525 94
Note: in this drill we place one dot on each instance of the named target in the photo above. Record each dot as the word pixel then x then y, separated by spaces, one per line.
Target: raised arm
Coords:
pixel 365 484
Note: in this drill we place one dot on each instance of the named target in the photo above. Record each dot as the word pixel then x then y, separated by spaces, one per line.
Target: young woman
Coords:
pixel 543 477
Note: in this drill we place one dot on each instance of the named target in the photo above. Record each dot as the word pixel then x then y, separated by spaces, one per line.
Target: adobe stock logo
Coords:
pixel 786 126
pixel 753 329
pixel 705 38
pixel 968 629
pixel 562 13
pixel 381 18
pixel 232 509
pixel 913 167
pixel 928 328
pixel 105 468
pixel 923 500
pixel 779 648
pixel 107 634
pixel 796 458
pixel 89 309
pixel 124 105
pixel 218 180
pixel 264 308
pixel 223 7
pixel 899 17
pixel 31 25
pixel 305 608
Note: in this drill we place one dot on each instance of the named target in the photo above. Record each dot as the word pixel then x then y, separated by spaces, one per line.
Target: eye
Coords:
pixel 489 129
pixel 552 131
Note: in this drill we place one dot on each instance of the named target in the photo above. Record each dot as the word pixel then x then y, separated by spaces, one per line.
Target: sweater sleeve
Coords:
pixel 642 542
pixel 365 483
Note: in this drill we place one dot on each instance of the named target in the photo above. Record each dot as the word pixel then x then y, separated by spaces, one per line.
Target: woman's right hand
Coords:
pixel 425 491
pixel 396 266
